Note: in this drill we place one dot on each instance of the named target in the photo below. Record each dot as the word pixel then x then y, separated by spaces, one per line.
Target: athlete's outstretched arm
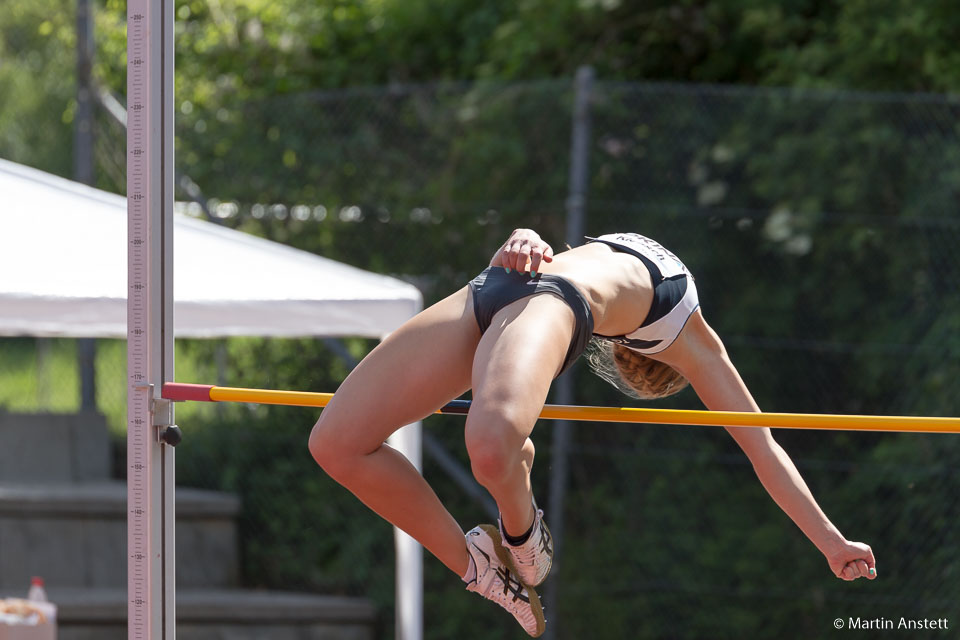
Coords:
pixel 701 357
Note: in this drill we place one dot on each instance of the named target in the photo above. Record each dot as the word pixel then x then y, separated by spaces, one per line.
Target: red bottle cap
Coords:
pixel 36 581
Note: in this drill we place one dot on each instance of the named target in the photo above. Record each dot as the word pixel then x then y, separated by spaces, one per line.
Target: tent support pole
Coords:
pixel 409 582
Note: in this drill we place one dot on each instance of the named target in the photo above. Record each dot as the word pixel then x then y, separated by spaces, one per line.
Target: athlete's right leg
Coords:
pixel 416 370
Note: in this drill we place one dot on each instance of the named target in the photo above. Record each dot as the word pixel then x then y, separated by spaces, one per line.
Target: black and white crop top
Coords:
pixel 674 293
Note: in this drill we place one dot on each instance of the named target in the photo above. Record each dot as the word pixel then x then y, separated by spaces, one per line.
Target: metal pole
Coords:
pixel 83 171
pixel 151 607
pixel 86 362
pixel 83 123
pixel 409 578
pixel 564 394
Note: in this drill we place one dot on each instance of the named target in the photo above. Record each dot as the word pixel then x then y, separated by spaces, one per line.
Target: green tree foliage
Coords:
pixel 37 83
pixel 231 51
pixel 821 227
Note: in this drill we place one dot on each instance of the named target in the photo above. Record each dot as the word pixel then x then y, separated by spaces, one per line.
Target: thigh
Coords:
pixel 516 361
pixel 416 370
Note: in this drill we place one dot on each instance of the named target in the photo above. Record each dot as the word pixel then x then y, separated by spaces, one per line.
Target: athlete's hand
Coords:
pixel 524 250
pixel 853 560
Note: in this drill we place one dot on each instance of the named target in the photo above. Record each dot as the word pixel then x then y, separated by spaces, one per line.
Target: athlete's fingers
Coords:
pixel 524 249
pixel 524 256
pixel 871 563
pixel 509 254
pixel 536 256
pixel 540 253
pixel 848 573
pixel 856 569
pixel 863 562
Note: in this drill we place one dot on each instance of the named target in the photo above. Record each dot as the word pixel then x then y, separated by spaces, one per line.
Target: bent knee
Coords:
pixel 330 451
pixel 495 452
pixel 490 464
pixel 318 445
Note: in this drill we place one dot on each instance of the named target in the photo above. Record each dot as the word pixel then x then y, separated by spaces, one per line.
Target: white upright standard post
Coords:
pixel 409 579
pixel 150 430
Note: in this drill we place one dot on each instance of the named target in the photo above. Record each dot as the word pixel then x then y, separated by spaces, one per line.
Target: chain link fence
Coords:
pixel 822 228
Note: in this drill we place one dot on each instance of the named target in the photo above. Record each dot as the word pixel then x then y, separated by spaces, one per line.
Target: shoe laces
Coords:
pixel 538 543
pixel 508 590
pixel 525 554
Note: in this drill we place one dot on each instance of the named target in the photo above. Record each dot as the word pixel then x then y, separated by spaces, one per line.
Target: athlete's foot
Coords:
pixel 533 558
pixel 497 581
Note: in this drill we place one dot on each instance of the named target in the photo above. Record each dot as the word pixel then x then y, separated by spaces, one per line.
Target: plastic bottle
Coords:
pixel 37 592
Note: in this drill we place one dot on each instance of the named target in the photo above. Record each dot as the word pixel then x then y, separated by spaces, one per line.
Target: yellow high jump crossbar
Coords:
pixel 209 393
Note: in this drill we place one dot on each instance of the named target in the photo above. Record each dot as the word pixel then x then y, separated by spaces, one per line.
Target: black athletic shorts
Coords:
pixel 494 289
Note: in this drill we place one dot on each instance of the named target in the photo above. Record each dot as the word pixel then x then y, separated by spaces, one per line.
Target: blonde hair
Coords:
pixel 633 373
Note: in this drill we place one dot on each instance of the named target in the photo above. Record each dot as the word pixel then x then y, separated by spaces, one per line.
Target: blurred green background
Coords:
pixel 802 157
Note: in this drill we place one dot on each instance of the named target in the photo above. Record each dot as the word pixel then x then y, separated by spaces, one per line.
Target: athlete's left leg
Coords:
pixel 515 363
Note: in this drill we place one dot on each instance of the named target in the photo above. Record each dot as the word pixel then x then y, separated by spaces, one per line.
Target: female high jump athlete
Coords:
pixel 504 339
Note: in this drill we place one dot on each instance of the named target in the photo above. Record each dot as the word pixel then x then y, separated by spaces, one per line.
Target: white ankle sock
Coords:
pixel 471 573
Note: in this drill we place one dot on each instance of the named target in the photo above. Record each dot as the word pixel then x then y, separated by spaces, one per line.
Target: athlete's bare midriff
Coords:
pixel 617 285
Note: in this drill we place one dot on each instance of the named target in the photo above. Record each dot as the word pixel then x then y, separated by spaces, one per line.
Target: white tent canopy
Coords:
pixel 63 272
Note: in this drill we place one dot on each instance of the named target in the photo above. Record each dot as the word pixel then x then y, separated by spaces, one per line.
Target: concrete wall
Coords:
pixel 76 535
pixel 53 448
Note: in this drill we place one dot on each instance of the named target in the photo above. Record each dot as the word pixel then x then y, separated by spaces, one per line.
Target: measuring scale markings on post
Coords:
pixel 138 409
pixel 150 532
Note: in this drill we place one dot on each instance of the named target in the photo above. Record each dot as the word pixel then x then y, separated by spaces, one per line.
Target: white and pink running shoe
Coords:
pixel 497 581
pixel 533 559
